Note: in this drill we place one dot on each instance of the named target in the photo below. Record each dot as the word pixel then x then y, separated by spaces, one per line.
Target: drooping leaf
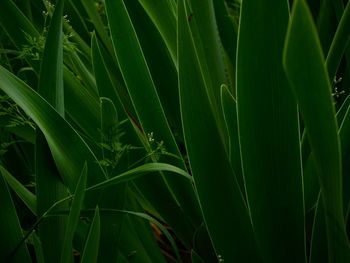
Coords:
pixel 140 170
pixel 67 147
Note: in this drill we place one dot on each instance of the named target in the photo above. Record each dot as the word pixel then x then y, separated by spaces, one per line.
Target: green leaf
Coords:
pixel 68 148
pixel 51 69
pixel 269 133
pixel 232 235
pixel 229 107
pixel 15 23
pixel 201 244
pixel 73 218
pixel 176 192
pixel 87 113
pixel 228 28
pixel 163 15
pixel 310 83
pixel 103 81
pixel 149 219
pixel 141 170
pixel 161 227
pixel 144 231
pixel 162 68
pixel 26 196
pixel 39 253
pixel 339 44
pixel 326 23
pixel 344 130
pixel 210 55
pixel 90 252
pixel 11 250
pixel 318 246
pixel 91 10
pixel 49 186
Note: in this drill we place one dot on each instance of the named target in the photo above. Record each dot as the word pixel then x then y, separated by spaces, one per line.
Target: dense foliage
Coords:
pixel 174 131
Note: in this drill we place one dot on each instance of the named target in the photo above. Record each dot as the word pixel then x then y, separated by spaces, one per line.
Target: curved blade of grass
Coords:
pixel 127 176
pixel 90 252
pixel 149 109
pixel 129 238
pixel 73 218
pixel 26 196
pixel 10 230
pixel 68 148
pixel 306 71
pixel 232 235
pixel 339 44
pixel 138 171
pixel 269 133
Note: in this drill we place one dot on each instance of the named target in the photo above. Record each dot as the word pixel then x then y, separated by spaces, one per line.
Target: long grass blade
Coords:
pixel 180 195
pixel 26 196
pixel 141 170
pixel 306 71
pixel 49 186
pixel 73 218
pixel 232 235
pixel 339 44
pixel 229 107
pixel 67 147
pixel 163 15
pixel 90 252
pixel 269 133
pixel 10 230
